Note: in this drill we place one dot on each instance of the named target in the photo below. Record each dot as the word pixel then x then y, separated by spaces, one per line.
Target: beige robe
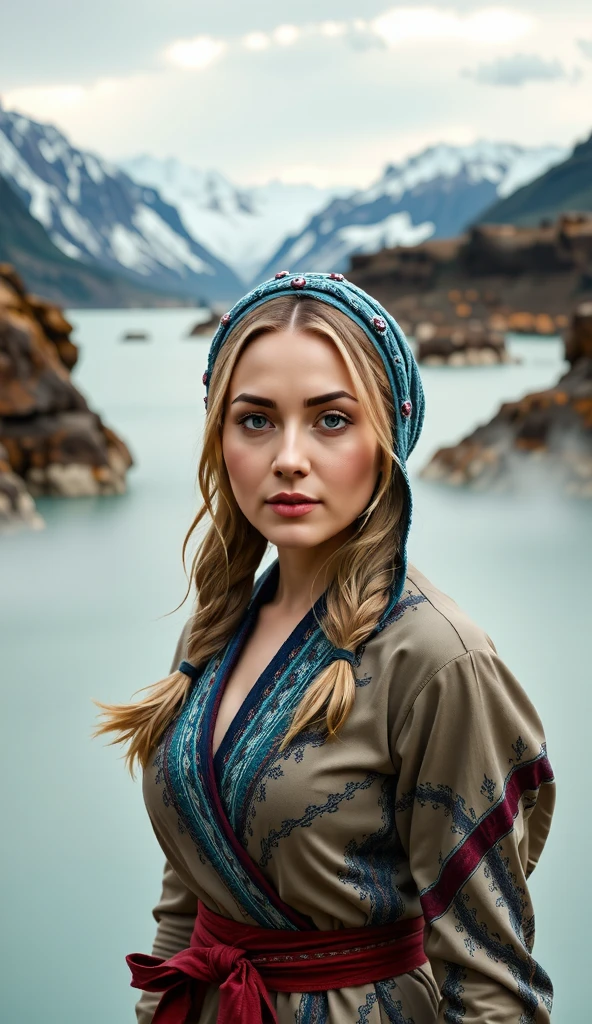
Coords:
pixel 436 799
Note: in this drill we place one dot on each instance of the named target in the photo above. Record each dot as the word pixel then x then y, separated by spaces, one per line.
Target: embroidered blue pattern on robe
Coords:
pixel 372 863
pixel 253 747
pixel 393 1007
pixel 313 1008
pixel 531 980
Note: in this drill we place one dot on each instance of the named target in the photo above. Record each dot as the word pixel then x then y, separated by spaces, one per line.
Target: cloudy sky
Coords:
pixel 307 91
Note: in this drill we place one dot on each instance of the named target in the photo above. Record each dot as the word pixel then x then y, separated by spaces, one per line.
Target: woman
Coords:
pixel 349 785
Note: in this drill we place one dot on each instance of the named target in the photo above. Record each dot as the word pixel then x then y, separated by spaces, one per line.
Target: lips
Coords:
pixel 294 498
pixel 292 505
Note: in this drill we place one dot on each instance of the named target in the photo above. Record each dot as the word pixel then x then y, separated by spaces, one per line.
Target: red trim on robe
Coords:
pixel 496 824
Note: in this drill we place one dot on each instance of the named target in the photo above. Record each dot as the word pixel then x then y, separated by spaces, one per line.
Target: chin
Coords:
pixel 299 538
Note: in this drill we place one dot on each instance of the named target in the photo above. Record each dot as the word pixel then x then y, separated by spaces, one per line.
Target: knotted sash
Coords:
pixel 246 961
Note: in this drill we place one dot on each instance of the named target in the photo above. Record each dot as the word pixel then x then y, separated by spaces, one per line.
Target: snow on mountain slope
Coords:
pixel 95 213
pixel 242 226
pixel 564 187
pixel 434 194
pixel 394 230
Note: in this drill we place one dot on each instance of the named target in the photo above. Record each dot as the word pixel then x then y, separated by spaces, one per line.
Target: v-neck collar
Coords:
pixel 264 592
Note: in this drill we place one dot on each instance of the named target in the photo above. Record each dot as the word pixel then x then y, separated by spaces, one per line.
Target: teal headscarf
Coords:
pixel 390 342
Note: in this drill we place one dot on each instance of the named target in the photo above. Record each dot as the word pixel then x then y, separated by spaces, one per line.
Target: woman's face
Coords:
pixel 301 455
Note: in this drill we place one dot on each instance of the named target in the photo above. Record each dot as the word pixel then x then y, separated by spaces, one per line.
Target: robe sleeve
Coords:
pixel 176 909
pixel 475 796
pixel 175 915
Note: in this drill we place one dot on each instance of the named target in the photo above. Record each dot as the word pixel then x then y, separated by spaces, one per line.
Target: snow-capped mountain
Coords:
pixel 95 213
pixel 191 232
pixel 434 194
pixel 242 226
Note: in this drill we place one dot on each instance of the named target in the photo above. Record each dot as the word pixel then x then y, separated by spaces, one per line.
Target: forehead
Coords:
pixel 290 357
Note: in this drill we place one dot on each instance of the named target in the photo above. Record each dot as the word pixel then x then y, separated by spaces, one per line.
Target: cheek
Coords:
pixel 354 468
pixel 242 463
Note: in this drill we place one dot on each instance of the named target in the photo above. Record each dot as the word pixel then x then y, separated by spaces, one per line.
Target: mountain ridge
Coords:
pixel 242 224
pixel 176 230
pixel 434 194
pixel 565 186
pixel 94 212
pixel 48 271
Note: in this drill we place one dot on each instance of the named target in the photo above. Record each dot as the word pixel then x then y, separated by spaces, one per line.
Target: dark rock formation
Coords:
pixel 49 438
pixel 553 428
pixel 17 507
pixel 474 344
pixel 507 278
pixel 208 326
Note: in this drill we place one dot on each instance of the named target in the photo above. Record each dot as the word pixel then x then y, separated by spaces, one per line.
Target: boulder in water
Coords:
pixel 208 326
pixel 51 443
pixel 548 430
pixel 135 336
pixel 17 507
pixel 470 344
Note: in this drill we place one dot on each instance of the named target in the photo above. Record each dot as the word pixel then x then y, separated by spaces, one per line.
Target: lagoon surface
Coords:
pixel 82 615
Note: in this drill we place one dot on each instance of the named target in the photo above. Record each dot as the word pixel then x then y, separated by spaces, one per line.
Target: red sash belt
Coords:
pixel 246 961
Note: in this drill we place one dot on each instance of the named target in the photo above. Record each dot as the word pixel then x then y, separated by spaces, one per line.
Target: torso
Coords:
pixel 357 832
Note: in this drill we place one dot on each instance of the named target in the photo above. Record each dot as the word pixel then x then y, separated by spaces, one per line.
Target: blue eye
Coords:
pixel 334 420
pixel 258 421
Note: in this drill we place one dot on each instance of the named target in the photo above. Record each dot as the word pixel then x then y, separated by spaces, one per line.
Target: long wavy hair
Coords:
pixel 225 562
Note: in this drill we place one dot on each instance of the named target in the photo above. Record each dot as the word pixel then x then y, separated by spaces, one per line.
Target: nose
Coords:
pixel 291 458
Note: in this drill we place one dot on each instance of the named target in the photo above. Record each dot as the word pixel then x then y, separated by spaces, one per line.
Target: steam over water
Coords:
pixel 81 608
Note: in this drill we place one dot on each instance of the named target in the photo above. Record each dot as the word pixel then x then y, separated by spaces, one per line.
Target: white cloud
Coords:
pixel 585 46
pixel 256 41
pixel 332 29
pixel 286 35
pixel 517 69
pixel 196 53
pixel 394 28
pixel 402 25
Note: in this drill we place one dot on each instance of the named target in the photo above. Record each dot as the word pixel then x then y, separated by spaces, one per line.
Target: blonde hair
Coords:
pixel 224 565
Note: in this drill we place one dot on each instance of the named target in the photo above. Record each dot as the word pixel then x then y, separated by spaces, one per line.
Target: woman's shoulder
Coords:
pixel 425 632
pixel 453 626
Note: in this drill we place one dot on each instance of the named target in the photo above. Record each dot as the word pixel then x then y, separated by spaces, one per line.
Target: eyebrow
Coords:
pixel 267 403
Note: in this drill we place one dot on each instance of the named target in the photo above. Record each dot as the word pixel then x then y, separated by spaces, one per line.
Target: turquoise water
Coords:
pixel 82 613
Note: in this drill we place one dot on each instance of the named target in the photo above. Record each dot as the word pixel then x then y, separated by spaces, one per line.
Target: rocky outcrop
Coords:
pixel 502 277
pixel 17 507
pixel 474 344
pixel 546 435
pixel 51 443
pixel 208 326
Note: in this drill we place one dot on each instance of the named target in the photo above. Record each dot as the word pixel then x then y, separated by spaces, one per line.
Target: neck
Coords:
pixel 305 574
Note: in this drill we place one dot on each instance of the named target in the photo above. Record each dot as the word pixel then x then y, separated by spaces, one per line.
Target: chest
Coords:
pixel 313 791
pixel 257 654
